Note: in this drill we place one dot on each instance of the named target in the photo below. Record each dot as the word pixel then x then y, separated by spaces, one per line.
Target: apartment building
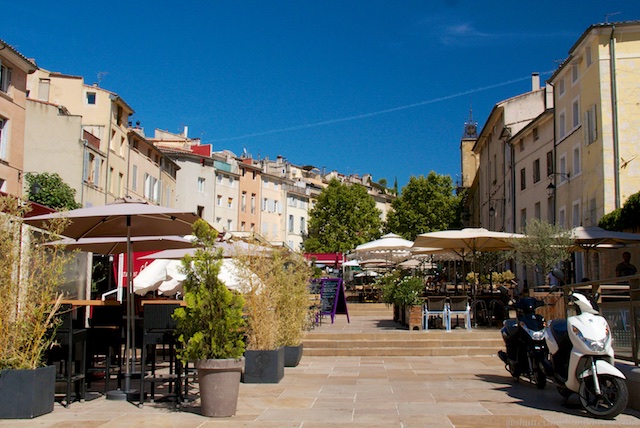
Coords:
pixel 490 164
pixel 14 69
pixel 249 186
pixel 597 118
pixel 151 175
pixel 226 191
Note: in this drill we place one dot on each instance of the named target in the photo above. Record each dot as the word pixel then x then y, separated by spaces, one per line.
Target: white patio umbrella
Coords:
pixel 390 247
pixel 123 217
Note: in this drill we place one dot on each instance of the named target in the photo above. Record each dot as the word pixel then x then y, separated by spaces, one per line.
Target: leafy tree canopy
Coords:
pixel 52 191
pixel 344 217
pixel 625 218
pixel 427 204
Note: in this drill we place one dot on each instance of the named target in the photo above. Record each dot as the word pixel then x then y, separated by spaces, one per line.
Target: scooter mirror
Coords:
pixel 558 274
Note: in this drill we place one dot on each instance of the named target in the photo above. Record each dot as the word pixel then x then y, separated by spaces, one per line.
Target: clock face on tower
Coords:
pixel 470 130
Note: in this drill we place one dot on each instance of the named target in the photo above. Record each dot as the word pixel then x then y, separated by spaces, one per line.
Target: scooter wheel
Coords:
pixel 539 378
pixel 612 400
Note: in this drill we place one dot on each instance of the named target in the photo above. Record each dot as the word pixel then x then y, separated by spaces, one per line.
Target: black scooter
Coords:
pixel 525 343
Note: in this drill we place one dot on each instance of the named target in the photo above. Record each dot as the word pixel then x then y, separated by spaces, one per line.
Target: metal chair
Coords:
pixel 459 305
pixel 435 306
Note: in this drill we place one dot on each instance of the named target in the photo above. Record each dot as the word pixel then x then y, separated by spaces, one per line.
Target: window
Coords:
pixel 229 202
pixel 120 184
pixel 550 209
pixel 43 89
pixel 536 170
pixel 97 168
pixel 523 178
pixel 591 128
pixel 523 218
pixel 134 178
pixel 562 217
pixel 536 136
pixel 563 168
pixel 576 113
pixel 243 226
pixel 243 202
pixel 560 88
pixel 562 124
pixel 290 223
pixel 110 180
pixel 200 184
pixel 253 203
pixel 521 144
pixel 576 160
pixel 536 210
pixel 549 163
pixel 219 200
pixel 575 215
pixel 276 206
pixel 5 78
pixel 265 203
pixel 574 73
pixel 200 211
pixel 3 138
pixel 229 224
pixel 91 98
pixel 587 54
pixel 303 225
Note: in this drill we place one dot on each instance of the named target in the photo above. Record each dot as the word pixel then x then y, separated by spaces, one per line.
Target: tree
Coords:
pixel 51 191
pixel 544 247
pixel 344 217
pixel 625 218
pixel 427 204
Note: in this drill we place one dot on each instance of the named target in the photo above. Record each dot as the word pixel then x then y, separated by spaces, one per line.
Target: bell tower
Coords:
pixel 469 162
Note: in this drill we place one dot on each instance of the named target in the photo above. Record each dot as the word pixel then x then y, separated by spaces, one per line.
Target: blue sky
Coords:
pixel 378 87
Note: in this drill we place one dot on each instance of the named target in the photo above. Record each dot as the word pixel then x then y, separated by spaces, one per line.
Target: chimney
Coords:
pixel 185 133
pixel 535 81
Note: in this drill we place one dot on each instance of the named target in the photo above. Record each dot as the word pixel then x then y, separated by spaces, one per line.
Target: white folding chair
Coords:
pixel 435 306
pixel 459 306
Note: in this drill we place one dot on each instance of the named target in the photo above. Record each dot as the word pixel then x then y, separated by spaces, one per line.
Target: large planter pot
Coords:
pixel 292 355
pixel 413 317
pixel 219 385
pixel 264 366
pixel 27 394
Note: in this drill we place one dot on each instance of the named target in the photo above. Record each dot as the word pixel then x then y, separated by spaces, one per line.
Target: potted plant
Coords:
pixel 210 327
pixel 387 284
pixel 408 295
pixel 30 279
pixel 267 276
pixel 291 277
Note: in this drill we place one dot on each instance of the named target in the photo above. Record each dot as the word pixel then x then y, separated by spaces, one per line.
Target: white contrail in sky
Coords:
pixel 375 113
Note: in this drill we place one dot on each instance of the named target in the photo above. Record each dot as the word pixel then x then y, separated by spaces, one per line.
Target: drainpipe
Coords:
pixel 614 116
pixel 84 169
pixel 555 150
pixel 112 99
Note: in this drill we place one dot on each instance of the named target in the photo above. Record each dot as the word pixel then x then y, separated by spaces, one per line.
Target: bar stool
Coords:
pixel 69 356
pixel 159 328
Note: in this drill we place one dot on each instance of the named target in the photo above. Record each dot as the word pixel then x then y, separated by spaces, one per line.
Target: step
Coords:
pixel 404 343
pixel 400 352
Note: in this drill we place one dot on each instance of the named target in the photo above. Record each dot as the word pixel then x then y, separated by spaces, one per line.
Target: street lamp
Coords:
pixel 551 188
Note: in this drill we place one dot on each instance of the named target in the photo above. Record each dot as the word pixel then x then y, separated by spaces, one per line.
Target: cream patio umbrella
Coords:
pixel 593 238
pixel 123 217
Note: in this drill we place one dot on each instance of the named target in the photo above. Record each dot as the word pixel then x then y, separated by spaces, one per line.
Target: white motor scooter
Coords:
pixel 581 360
